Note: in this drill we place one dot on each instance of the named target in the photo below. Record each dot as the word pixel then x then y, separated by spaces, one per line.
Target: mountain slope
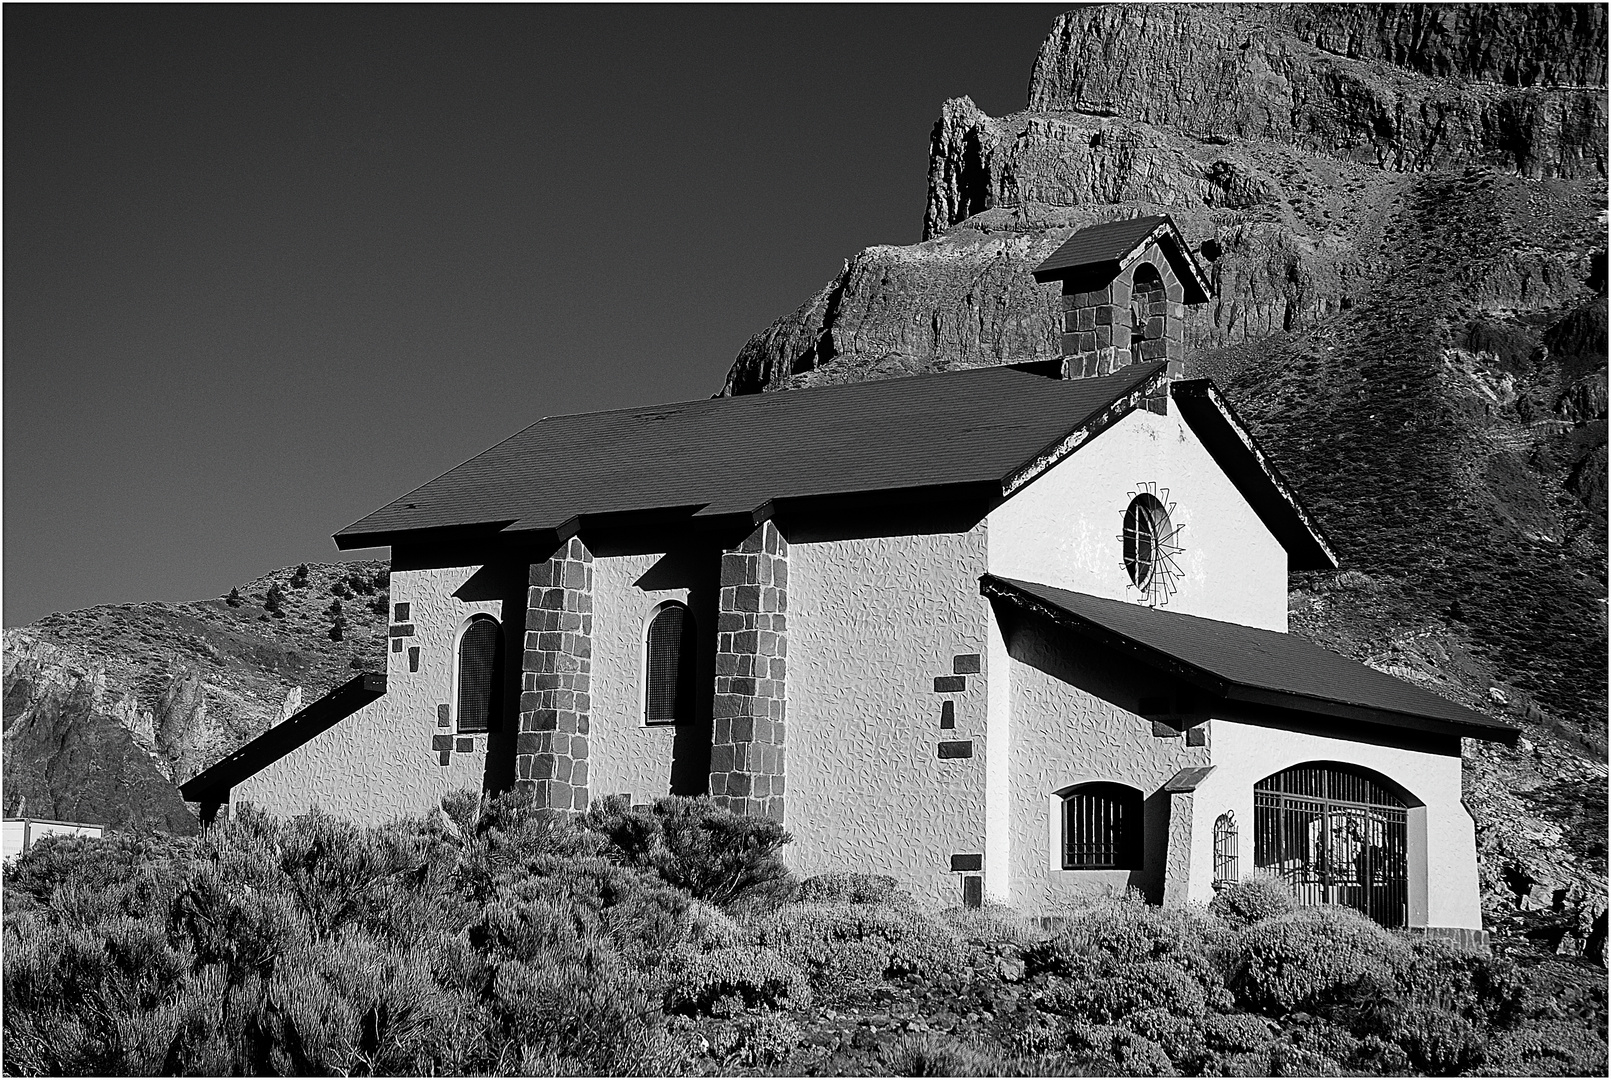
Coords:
pixel 109 709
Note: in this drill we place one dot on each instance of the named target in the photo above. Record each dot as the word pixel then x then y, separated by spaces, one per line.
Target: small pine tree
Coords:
pixel 274 601
pixel 234 598
pixel 381 604
pixel 334 609
pixel 338 629
pixel 301 576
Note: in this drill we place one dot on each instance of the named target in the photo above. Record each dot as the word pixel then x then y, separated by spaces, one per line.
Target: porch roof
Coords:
pixel 1246 665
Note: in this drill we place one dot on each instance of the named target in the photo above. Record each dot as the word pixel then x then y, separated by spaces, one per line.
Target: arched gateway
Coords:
pixel 1337 834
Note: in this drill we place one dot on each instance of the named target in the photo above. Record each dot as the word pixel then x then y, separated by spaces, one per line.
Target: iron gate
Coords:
pixel 1336 836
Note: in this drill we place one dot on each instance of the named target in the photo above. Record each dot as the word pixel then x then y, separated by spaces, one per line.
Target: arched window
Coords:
pixel 668 666
pixel 480 668
pixel 1147 302
pixel 1226 860
pixel 1102 827
pixel 1337 834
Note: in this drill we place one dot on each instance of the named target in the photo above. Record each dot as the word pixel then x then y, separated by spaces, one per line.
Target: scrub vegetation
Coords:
pixel 493 938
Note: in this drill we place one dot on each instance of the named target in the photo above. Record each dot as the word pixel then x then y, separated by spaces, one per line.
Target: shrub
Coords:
pixel 1289 1060
pixel 1257 897
pixel 699 982
pixel 1117 1051
pixel 274 601
pixel 848 889
pixel 1312 956
pixel 1439 1042
pixel 1551 1048
pixel 1472 983
pixel 854 942
pixel 1130 932
pixel 928 1054
pixel 86 879
pixel 1109 991
pixel 234 598
pixel 716 855
pixel 993 925
pixel 765 1039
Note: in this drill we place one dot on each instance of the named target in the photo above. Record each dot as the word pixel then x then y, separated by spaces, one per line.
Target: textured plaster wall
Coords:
pixel 1245 754
pixel 379 763
pixel 872 623
pixel 629 756
pixel 1063 528
pixel 1070 726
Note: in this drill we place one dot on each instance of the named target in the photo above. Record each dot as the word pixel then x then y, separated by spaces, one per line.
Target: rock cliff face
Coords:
pixel 1402 211
pixel 109 709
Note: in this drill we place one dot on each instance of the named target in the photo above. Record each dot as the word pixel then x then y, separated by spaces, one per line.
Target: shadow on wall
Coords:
pixel 504 584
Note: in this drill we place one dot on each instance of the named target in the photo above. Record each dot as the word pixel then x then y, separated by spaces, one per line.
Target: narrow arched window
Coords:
pixel 1227 862
pixel 480 665
pixel 1148 301
pixel 668 662
pixel 1102 828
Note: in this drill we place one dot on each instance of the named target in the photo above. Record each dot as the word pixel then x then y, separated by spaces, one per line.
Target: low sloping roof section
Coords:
pixel 1244 664
pixel 1223 435
pixel 956 432
pixel 214 783
pixel 1104 250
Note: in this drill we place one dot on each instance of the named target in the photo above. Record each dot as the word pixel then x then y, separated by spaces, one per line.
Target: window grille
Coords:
pixel 1102 828
pixel 1226 869
pixel 1336 835
pixel 480 665
pixel 668 661
pixel 1146 528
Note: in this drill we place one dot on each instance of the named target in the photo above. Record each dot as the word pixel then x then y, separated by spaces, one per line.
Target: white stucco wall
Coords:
pixel 1063 528
pixel 627 756
pixel 378 763
pixel 1065 734
pixel 1244 754
pixel 871 624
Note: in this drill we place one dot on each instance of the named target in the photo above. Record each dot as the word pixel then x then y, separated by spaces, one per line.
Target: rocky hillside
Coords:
pixel 109 709
pixel 1402 213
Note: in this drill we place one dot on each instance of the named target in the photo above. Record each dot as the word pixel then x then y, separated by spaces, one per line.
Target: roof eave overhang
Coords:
pixel 1229 692
pixel 1094 424
pixel 352 538
pixel 1255 476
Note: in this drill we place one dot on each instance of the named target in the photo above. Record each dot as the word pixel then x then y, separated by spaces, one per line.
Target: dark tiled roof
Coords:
pixel 1110 243
pixel 1246 664
pixel 733 455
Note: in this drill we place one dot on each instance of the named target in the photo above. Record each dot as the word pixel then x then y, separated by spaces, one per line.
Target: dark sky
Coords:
pixel 268 268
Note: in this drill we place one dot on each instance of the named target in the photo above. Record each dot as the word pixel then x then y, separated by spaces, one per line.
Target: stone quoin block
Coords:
pixel 397 645
pixel 965 664
pixel 400 613
pixel 961 748
pixel 441 742
pixel 948 714
pixel 748 745
pixel 464 744
pixel 961 863
pixel 556 679
pixel 414 658
pixel 403 630
pixel 950 684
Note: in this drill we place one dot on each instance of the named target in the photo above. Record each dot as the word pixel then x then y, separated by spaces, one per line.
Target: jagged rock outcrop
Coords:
pixel 1516 87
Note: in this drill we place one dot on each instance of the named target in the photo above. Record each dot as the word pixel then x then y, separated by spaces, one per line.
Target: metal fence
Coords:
pixel 1336 837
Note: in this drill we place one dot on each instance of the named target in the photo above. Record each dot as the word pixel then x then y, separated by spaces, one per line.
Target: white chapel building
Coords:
pixel 1013 633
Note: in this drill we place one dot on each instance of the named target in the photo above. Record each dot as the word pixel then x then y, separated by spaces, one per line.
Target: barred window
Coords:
pixel 480 666
pixel 1102 828
pixel 668 666
pixel 1146 530
pixel 1227 862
